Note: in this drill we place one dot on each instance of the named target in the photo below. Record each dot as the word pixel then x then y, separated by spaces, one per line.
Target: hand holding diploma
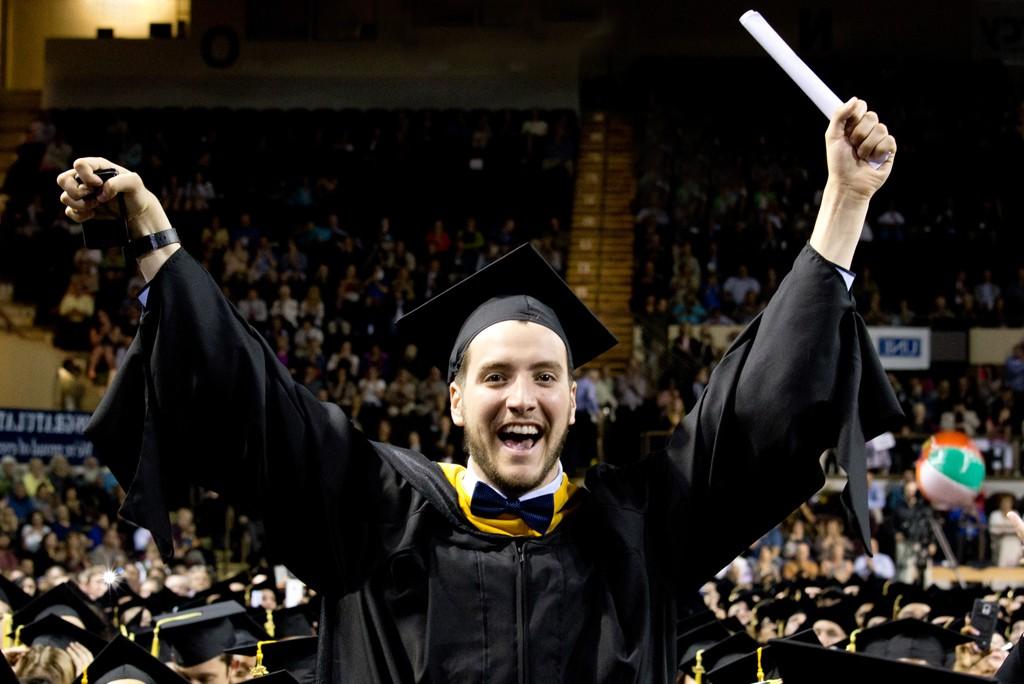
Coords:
pixel 809 82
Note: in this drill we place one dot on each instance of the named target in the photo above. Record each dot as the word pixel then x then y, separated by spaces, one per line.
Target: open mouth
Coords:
pixel 520 437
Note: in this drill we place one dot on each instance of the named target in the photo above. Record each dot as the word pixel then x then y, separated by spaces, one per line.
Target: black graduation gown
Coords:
pixel 414 593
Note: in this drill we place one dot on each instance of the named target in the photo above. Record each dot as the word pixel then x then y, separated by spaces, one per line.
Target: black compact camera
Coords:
pixel 102 233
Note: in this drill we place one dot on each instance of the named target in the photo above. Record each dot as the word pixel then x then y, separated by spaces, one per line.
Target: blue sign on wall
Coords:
pixel 907 347
pixel 25 433
pixel 902 348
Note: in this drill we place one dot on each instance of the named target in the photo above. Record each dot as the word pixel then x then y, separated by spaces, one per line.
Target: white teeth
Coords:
pixel 522 429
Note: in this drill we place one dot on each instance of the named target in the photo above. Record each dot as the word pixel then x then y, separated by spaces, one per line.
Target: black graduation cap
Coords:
pixel 800 663
pixel 720 653
pixel 279 677
pixel 164 652
pixel 519 286
pixel 12 595
pixel 55 631
pixel 843 613
pixel 165 600
pixel 908 638
pixel 745 669
pixel 296 656
pixel 203 633
pixel 122 659
pixel 284 623
pixel 804 636
pixel 63 600
pixel 688 643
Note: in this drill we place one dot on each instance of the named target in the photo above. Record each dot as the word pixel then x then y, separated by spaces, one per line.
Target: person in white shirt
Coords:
pixel 739 285
pixel 878 565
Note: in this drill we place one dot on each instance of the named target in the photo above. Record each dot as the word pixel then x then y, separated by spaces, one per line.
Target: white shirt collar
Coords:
pixel 470 479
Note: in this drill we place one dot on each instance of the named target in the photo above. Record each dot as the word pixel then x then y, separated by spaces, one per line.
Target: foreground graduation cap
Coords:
pixel 519 286
pixel 799 663
pixel 55 631
pixel 911 639
pixel 204 633
pixel 296 656
pixel 122 660
pixel 63 600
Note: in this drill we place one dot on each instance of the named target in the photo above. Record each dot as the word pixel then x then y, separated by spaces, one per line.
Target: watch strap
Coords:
pixel 139 247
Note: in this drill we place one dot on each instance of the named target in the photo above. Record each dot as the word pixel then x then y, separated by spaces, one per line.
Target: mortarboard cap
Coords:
pixel 12 595
pixel 55 631
pixel 123 660
pixel 284 623
pixel 518 286
pixel 203 633
pixel 279 677
pixel 64 600
pixel 720 653
pixel 296 656
pixel 745 669
pixel 908 638
pixel 799 663
pixel 804 636
pixel 688 643
pixel 843 613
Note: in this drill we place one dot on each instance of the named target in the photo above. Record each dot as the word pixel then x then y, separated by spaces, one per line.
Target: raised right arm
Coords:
pixel 201 399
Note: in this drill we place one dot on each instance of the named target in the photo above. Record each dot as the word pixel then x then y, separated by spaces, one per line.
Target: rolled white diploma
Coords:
pixel 819 93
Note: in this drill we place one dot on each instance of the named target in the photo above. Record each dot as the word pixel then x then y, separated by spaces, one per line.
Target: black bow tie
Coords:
pixel 536 512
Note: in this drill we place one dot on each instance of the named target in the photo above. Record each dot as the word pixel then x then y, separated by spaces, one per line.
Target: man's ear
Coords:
pixel 455 394
pixel 572 403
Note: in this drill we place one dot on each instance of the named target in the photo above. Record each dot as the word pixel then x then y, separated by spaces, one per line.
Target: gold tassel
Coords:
pixel 268 626
pixel 760 670
pixel 896 606
pixel 258 670
pixel 85 675
pixel 698 667
pixel 5 627
pixel 123 630
pixel 17 636
pixel 154 648
pixel 852 646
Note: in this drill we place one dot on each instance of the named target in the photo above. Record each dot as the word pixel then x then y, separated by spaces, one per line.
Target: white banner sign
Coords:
pixel 903 348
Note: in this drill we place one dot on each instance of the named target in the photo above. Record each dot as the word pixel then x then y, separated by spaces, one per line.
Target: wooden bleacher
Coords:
pixel 600 266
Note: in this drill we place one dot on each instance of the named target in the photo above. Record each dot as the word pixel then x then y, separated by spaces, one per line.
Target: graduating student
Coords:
pixel 503 571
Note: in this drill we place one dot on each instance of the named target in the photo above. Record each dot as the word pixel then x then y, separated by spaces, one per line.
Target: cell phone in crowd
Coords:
pixel 983 619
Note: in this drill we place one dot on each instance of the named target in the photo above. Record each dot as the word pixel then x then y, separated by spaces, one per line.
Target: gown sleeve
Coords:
pixel 1012 669
pixel 801 378
pixel 202 399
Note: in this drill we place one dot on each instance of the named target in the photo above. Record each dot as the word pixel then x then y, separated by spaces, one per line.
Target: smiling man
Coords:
pixel 502 571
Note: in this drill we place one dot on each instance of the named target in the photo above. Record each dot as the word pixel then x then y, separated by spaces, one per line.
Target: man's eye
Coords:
pixel 492 377
pixel 546 377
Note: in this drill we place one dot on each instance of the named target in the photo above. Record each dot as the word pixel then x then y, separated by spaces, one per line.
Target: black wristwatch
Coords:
pixel 139 247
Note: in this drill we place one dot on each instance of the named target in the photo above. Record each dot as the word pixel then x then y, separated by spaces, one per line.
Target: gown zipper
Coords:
pixel 521 611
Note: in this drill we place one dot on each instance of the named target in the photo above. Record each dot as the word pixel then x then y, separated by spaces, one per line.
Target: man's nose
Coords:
pixel 521 396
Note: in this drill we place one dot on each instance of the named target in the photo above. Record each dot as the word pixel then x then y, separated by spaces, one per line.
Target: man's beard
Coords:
pixel 478 447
